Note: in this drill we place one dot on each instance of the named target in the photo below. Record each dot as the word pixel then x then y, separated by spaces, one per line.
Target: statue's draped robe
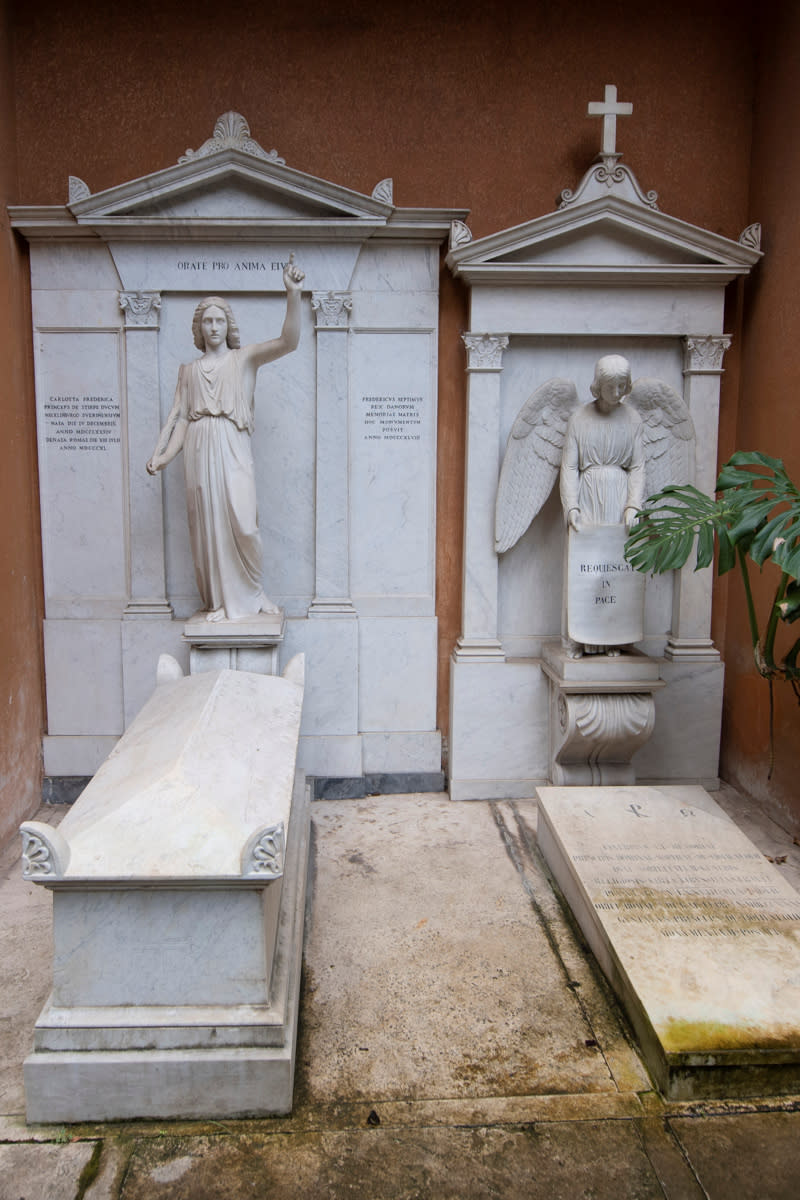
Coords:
pixel 220 485
pixel 602 468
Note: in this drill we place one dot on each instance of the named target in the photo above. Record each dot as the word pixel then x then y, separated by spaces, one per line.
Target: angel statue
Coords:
pixel 631 441
pixel 211 421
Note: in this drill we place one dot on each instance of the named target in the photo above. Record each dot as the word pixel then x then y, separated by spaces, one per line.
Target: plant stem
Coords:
pixel 772 624
pixel 751 611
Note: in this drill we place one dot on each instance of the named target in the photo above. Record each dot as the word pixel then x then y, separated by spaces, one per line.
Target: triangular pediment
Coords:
pixel 608 237
pixel 604 242
pixel 228 185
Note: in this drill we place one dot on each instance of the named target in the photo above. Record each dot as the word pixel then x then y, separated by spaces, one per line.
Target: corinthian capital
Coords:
pixel 141 309
pixel 331 309
pixel 703 355
pixel 485 350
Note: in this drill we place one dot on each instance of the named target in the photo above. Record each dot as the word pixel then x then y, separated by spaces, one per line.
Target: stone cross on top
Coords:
pixel 609 109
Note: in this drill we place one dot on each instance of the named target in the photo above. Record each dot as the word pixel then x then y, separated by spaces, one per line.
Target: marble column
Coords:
pixel 479 640
pixel 147 589
pixel 690 636
pixel 332 559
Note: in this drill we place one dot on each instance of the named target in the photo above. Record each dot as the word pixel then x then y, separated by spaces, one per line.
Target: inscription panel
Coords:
pixel 605 595
pixel 82 476
pixel 393 464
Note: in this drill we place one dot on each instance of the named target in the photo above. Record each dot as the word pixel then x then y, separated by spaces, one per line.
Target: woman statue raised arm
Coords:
pixel 212 420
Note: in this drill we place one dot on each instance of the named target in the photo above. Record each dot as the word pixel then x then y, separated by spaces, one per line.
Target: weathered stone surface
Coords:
pixel 559 1162
pixel 698 933
pixel 36 1172
pixel 427 970
pixel 743 1154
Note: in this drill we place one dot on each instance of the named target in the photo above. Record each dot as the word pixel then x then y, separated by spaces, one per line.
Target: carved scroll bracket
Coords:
pixel 599 734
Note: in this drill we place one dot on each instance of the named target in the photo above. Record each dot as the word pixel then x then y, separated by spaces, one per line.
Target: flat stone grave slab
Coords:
pixel 698 934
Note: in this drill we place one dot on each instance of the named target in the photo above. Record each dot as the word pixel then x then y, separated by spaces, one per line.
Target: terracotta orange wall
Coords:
pixel 21 697
pixel 769 410
pixel 464 104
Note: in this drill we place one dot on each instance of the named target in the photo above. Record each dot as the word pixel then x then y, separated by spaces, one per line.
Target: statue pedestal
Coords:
pixel 601 712
pixel 247 644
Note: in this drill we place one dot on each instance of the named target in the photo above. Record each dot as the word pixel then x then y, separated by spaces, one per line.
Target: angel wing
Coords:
pixel 532 459
pixel 668 433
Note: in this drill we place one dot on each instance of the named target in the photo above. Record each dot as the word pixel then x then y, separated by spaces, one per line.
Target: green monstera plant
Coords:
pixel 755 517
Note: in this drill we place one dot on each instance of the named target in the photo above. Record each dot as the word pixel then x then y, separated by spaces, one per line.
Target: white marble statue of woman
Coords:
pixel 212 420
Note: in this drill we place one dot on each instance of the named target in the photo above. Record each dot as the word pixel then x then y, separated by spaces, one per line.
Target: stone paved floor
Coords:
pixel 455 1041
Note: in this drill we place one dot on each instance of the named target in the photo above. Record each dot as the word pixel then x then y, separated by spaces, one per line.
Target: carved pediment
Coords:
pixel 605 238
pixel 229 187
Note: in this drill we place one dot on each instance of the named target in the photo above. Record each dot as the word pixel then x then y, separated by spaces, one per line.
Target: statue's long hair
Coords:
pixel 233 340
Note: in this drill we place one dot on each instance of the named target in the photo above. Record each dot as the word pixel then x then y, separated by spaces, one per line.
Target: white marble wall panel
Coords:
pixel 498 729
pixel 69 309
pixel 601 310
pixel 398 753
pixel 332 755
pixel 80 754
pixel 83 268
pixel 283 452
pixel 332 518
pixel 684 747
pixel 395 310
pixel 154 946
pixel 330 644
pixel 83 668
pixel 397 673
pixel 230 267
pixel 80 418
pixel 393 465
pixel 386 267
pixel 143 642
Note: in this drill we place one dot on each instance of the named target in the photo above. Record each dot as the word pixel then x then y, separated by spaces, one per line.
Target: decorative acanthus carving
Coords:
pixel 751 236
pixel 232 132
pixel 45 852
pixel 485 350
pixel 384 191
pixel 140 308
pixel 332 309
pixel 704 355
pixel 78 190
pixel 262 857
pixel 601 732
pixel 460 234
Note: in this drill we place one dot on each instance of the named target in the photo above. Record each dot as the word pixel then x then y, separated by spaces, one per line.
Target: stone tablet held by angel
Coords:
pixel 629 442
pixel 211 421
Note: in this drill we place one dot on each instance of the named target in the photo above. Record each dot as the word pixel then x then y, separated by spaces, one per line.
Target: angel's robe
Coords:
pixel 602 466
pixel 220 485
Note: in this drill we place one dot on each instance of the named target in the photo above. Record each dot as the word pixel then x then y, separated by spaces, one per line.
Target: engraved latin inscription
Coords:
pixel 81 423
pixel 687 888
pixel 392 418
